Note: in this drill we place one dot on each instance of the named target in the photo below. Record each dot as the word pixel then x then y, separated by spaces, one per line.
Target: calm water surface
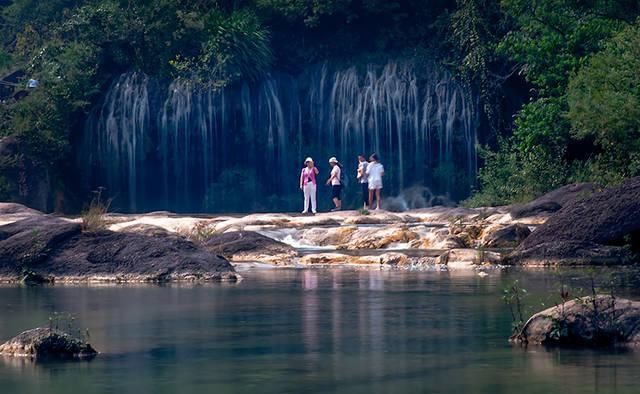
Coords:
pixel 311 331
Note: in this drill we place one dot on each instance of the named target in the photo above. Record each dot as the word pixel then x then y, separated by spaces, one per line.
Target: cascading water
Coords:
pixel 187 148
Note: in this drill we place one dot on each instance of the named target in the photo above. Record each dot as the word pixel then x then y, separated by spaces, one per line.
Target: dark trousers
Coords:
pixel 365 192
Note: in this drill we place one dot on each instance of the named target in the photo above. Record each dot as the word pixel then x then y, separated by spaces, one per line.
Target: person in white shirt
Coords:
pixel 334 181
pixel 375 172
pixel 363 179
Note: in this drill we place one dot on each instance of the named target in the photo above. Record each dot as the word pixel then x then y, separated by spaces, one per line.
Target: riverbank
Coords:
pixel 436 238
pixel 574 225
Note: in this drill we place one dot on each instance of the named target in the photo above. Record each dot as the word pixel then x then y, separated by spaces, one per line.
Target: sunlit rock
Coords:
pixel 588 321
pixel 504 236
pixel 468 258
pixel 41 343
pixel 57 249
pixel 250 246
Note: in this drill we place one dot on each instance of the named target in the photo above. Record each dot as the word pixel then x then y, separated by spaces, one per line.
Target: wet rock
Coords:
pixel 570 253
pixel 56 249
pixel 377 238
pixel 432 239
pixel 453 241
pixel 333 236
pixel 468 258
pixel 509 236
pixel 325 259
pixel 41 343
pixel 390 259
pixel 588 321
pixel 251 246
pixel 593 229
pixel 553 201
pixel 31 278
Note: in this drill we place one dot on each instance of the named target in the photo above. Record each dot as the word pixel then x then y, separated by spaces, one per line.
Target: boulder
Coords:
pixel 453 241
pixel 588 321
pixel 438 238
pixel 390 259
pixel 468 258
pixel 251 246
pixel 57 250
pixel 145 229
pixel 377 217
pixel 499 236
pixel 31 241
pixel 41 343
pixel 11 208
pixel 553 201
pixel 593 229
pixel 379 238
pixel 325 259
pixel 570 253
pixel 332 236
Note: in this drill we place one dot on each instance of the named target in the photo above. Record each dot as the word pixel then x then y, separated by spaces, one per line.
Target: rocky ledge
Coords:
pixel 436 238
pixel 48 249
pixel 250 246
pixel 42 343
pixel 576 224
pixel 588 321
pixel 601 227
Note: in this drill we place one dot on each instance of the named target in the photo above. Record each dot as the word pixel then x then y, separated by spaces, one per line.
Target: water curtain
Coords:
pixel 185 148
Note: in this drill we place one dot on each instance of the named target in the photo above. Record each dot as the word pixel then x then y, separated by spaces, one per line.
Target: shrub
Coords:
pixel 94 216
pixel 200 233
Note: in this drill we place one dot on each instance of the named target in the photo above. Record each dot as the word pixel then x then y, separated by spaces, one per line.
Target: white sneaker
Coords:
pixel 304 212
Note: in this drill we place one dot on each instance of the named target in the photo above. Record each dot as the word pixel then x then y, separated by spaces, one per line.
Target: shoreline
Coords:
pixel 165 246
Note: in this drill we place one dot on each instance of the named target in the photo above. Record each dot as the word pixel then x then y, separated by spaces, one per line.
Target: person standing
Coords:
pixel 375 172
pixel 308 184
pixel 334 181
pixel 363 179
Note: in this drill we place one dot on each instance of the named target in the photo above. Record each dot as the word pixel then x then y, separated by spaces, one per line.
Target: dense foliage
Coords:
pixel 576 60
pixel 565 49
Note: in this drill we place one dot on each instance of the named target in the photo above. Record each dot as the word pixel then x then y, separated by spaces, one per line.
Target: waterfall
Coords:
pixel 183 147
pixel 116 140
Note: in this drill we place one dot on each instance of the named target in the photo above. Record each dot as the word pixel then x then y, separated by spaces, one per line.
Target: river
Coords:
pixel 313 331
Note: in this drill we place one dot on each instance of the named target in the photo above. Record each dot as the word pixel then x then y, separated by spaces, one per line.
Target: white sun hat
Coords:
pixel 333 160
pixel 308 159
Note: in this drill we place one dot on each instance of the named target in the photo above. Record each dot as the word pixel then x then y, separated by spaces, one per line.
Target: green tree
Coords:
pixel 552 41
pixel 604 102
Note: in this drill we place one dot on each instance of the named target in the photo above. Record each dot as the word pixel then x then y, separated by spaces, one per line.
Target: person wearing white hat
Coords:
pixel 334 181
pixel 308 184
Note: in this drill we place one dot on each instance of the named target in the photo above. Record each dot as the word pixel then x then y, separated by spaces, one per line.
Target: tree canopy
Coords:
pixel 572 60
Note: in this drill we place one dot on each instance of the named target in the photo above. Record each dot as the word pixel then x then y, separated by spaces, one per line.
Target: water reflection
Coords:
pixel 308 331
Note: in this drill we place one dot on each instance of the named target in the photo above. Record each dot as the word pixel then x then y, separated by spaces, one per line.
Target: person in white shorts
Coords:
pixel 334 181
pixel 308 184
pixel 375 172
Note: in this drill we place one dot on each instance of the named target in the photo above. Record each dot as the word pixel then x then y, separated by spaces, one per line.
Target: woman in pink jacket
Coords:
pixel 308 184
